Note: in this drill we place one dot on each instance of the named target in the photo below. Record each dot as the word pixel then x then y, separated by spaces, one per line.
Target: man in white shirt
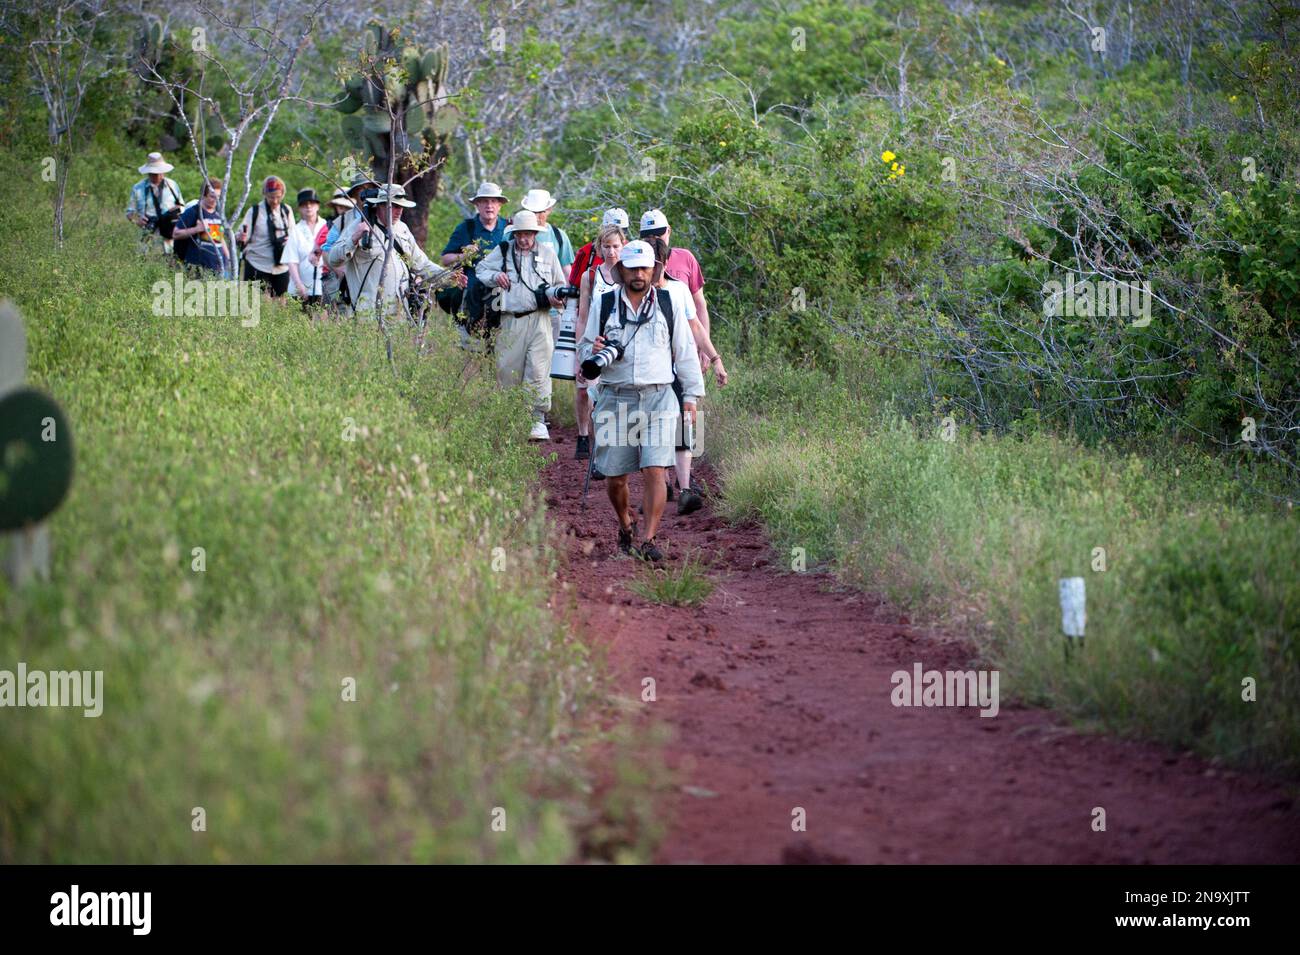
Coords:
pixel 638 415
pixel 360 249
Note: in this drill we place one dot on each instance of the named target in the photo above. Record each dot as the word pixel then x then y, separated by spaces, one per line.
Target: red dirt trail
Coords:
pixel 777 692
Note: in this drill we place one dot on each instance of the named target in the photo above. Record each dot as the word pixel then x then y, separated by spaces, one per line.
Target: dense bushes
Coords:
pixel 1190 584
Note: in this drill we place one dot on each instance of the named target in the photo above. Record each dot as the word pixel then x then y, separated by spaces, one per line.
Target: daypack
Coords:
pixel 165 222
pixel 450 298
pixel 472 296
pixel 182 245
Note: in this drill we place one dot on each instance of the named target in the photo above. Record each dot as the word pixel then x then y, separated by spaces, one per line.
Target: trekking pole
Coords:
pixel 587 483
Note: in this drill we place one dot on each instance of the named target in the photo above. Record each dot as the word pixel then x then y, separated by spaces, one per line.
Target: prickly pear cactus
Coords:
pixel 398 102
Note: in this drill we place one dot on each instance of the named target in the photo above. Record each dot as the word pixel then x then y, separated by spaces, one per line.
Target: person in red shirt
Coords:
pixel 685 268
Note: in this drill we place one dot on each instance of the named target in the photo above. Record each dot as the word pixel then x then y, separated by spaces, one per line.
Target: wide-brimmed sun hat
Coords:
pixel 523 222
pixel 394 192
pixel 489 190
pixel 538 200
pixel 155 163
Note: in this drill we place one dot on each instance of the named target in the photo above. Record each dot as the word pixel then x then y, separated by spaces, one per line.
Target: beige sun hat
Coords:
pixel 489 190
pixel 340 198
pixel 524 221
pixel 155 163
pixel 395 192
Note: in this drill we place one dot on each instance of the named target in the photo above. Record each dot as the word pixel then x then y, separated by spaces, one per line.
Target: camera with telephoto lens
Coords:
pixel 609 353
pixel 545 294
pixel 367 213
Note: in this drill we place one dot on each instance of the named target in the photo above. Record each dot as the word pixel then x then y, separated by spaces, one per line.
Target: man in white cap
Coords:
pixel 360 253
pixel 637 412
pixel 484 231
pixel 153 196
pixel 519 275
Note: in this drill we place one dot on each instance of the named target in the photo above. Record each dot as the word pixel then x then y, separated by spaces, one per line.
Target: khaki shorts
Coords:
pixel 635 428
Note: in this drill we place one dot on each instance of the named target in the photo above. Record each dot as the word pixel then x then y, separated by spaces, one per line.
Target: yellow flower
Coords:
pixel 722 142
pixel 887 156
pixel 1001 62
pixel 1232 98
pixel 893 165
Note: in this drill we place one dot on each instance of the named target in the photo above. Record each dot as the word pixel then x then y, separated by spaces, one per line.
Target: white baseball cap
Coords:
pixel 616 217
pixel 523 222
pixel 538 200
pixel 653 222
pixel 637 255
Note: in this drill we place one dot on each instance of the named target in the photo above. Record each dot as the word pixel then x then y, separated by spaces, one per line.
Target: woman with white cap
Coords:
pixel 153 196
pixel 594 283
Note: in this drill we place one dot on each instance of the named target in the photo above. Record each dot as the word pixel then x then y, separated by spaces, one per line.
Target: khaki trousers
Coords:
pixel 524 347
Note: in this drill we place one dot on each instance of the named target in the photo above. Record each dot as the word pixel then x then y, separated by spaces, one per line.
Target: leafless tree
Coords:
pixel 67 53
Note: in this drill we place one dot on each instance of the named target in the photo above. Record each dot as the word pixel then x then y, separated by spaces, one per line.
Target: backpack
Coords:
pixel 481 316
pixel 165 222
pixel 451 297
pixel 277 244
pixel 182 245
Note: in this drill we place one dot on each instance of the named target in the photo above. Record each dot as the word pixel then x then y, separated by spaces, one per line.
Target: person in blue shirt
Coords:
pixel 359 182
pixel 201 229
pixel 486 230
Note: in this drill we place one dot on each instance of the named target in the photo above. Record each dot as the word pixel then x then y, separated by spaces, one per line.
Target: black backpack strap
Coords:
pixel 606 307
pixel 666 306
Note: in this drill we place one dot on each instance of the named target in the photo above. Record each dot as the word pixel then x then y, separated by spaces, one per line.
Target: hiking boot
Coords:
pixel 539 432
pixel 625 536
pixel 649 551
pixel 690 501
pixel 583 449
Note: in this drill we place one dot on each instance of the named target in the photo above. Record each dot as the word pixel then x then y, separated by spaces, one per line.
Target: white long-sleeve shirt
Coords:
pixel 361 266
pixel 646 358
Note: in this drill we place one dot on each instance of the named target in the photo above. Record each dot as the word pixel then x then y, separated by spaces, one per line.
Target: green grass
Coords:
pixel 1198 592
pixel 683 584
pixel 326 559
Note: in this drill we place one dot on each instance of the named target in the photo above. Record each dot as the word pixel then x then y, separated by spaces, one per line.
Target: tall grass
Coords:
pixel 327 560
pixel 1198 592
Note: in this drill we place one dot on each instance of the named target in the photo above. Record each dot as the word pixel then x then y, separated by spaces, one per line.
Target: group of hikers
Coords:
pixel 516 284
